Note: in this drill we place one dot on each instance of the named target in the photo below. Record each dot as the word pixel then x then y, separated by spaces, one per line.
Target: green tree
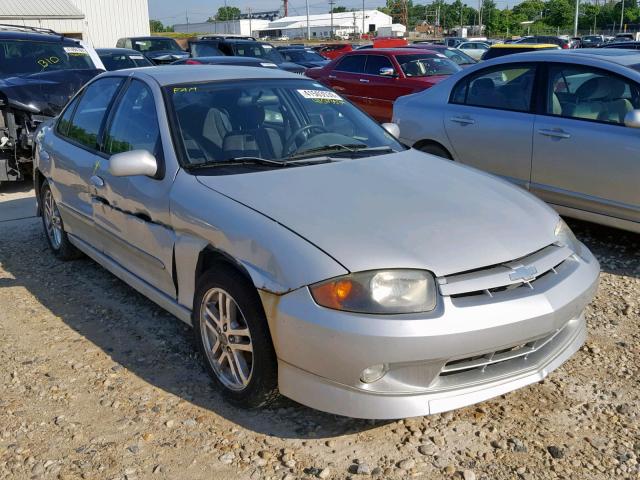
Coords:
pixel 156 26
pixel 559 13
pixel 339 9
pixel 226 13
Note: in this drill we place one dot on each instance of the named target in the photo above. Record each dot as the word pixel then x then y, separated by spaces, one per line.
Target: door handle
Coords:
pixel 463 120
pixel 554 133
pixel 96 181
pixel 332 77
pixel 363 80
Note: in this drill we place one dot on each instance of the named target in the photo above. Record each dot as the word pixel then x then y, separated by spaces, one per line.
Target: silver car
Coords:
pixel 312 253
pixel 564 125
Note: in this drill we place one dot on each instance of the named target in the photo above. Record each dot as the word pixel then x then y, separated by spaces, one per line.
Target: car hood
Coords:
pixel 166 56
pixel 292 67
pixel 44 93
pixel 314 63
pixel 403 210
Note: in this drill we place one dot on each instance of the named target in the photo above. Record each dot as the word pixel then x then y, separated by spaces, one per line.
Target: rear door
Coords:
pixel 133 212
pixel 74 153
pixel 584 157
pixel 345 79
pixel 489 121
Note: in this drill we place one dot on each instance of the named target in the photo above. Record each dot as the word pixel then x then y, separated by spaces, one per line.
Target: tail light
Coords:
pixel 565 45
pixel 193 62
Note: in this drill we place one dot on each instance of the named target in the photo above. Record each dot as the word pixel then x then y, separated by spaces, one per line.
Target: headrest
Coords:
pixel 260 100
pixel 599 88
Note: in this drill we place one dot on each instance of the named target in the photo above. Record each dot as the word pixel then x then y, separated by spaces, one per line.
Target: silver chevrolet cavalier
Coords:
pixel 312 253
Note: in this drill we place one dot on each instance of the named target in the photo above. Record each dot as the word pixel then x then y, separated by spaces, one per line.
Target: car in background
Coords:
pixel 453 41
pixel 564 43
pixel 502 49
pixel 159 50
pixel 590 41
pixel 572 136
pixel 628 45
pixel 311 252
pixel 453 54
pixel 224 60
pixel 474 49
pixel 207 46
pixel 40 70
pixel 334 51
pixel 374 79
pixel 121 58
pixel 303 56
pixel 626 37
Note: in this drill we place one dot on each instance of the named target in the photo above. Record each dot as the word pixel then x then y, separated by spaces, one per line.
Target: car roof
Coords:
pixel 391 51
pixel 175 74
pixel 613 55
pixel 34 36
pixel 116 51
pixel 525 45
pixel 230 59
pixel 151 37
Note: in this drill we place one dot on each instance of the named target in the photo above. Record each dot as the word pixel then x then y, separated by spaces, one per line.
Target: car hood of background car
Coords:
pixel 404 210
pixel 166 56
pixel 45 93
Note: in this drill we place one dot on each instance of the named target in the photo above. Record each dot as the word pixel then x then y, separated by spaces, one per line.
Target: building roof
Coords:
pixel 32 9
pixel 322 19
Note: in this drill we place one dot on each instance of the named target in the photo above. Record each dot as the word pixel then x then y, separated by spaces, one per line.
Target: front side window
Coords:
pixel 375 63
pixel 351 64
pixel 135 122
pixel 24 56
pixel 278 120
pixel 65 118
pixel 507 88
pixel 89 116
pixel 587 93
pixel 426 65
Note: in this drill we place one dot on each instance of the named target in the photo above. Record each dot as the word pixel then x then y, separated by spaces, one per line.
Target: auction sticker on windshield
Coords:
pixel 321 96
pixel 75 51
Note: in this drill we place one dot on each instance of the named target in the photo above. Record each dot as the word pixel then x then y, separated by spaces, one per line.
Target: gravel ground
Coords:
pixel 97 382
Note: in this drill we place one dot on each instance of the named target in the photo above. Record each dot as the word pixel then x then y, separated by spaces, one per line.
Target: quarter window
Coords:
pixel 505 89
pixel 352 64
pixel 135 122
pixel 375 63
pixel 590 94
pixel 87 121
pixel 65 119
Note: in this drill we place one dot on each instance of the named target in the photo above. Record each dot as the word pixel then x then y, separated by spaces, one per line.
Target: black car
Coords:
pixel 160 50
pixel 548 39
pixel 224 60
pixel 40 70
pixel 303 56
pixel 121 58
pixel 242 48
pixel 628 45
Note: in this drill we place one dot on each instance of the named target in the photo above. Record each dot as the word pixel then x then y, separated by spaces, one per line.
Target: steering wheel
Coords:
pixel 292 138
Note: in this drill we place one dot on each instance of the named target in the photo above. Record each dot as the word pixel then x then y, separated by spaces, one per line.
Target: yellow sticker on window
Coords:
pixel 184 89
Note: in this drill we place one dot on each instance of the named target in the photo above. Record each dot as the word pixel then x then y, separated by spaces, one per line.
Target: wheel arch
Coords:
pixel 421 144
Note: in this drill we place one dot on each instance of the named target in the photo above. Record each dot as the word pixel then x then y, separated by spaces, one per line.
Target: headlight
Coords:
pixel 565 236
pixel 379 291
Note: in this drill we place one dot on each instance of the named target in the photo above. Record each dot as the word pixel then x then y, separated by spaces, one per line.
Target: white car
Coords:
pixel 473 49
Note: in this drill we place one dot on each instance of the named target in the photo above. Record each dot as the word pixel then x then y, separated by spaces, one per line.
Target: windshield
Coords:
pixel 426 65
pixel 277 120
pixel 258 50
pixel 592 38
pixel 302 56
pixel 155 44
pixel 457 56
pixel 202 49
pixel 119 61
pixel 23 56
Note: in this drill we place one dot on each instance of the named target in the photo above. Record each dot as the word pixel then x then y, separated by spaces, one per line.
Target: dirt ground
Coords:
pixel 96 382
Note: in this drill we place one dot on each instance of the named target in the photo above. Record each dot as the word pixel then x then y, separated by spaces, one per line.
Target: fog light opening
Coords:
pixel 373 373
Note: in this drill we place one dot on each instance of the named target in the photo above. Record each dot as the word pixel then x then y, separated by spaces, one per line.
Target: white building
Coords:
pixel 344 25
pixel 98 22
pixel 242 26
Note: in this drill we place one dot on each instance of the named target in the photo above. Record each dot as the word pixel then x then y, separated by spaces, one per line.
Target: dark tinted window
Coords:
pixel 65 118
pixel 23 56
pixel 118 61
pixel 135 122
pixel 202 49
pixel 426 65
pixel 352 64
pixel 495 52
pixel 506 88
pixel 89 115
pixel 375 63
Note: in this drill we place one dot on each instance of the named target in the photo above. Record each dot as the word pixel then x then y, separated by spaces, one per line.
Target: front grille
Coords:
pixel 481 362
pixel 522 272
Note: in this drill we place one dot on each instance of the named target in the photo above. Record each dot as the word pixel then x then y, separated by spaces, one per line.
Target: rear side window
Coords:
pixel 135 122
pixel 89 116
pixel 352 64
pixel 505 88
pixel 375 63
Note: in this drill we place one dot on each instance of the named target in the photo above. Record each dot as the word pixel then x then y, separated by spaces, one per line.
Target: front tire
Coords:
pixel 54 227
pixel 232 334
pixel 436 150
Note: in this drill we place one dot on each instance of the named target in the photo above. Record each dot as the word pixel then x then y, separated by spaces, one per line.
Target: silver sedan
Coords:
pixel 312 253
pixel 562 124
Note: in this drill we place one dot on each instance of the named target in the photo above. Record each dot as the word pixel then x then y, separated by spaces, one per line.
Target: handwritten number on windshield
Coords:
pixel 44 62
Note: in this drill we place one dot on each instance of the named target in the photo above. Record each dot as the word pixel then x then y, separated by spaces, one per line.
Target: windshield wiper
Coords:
pixel 337 149
pixel 235 161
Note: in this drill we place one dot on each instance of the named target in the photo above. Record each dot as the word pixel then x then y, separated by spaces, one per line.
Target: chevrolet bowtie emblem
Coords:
pixel 526 274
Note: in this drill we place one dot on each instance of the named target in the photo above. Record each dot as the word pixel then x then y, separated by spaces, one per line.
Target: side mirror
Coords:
pixel 387 72
pixel 392 128
pixel 132 163
pixel 632 119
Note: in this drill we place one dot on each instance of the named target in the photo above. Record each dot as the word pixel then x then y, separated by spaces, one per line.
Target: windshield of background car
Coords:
pixel 302 56
pixel 119 61
pixel 457 56
pixel 257 50
pixel 23 56
pixel 155 44
pixel 426 65
pixel 269 119
pixel 202 49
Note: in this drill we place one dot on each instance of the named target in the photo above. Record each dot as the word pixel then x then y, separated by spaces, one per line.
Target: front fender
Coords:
pixel 277 259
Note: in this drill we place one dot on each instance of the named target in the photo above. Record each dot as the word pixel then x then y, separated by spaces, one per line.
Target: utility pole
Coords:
pixel 622 17
pixel 308 27
pixel 186 14
pixel 331 4
pixel 575 20
pixel 362 33
pixel 250 28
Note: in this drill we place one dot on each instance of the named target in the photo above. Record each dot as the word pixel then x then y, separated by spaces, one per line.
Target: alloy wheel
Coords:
pixel 52 220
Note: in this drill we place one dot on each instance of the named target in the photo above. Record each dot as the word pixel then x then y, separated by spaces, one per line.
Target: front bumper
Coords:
pixel 439 361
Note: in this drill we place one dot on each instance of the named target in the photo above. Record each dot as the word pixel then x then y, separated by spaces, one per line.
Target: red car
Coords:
pixel 335 50
pixel 373 79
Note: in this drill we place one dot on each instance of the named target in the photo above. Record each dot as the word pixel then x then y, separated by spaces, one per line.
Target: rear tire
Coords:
pixel 54 227
pixel 434 149
pixel 232 334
